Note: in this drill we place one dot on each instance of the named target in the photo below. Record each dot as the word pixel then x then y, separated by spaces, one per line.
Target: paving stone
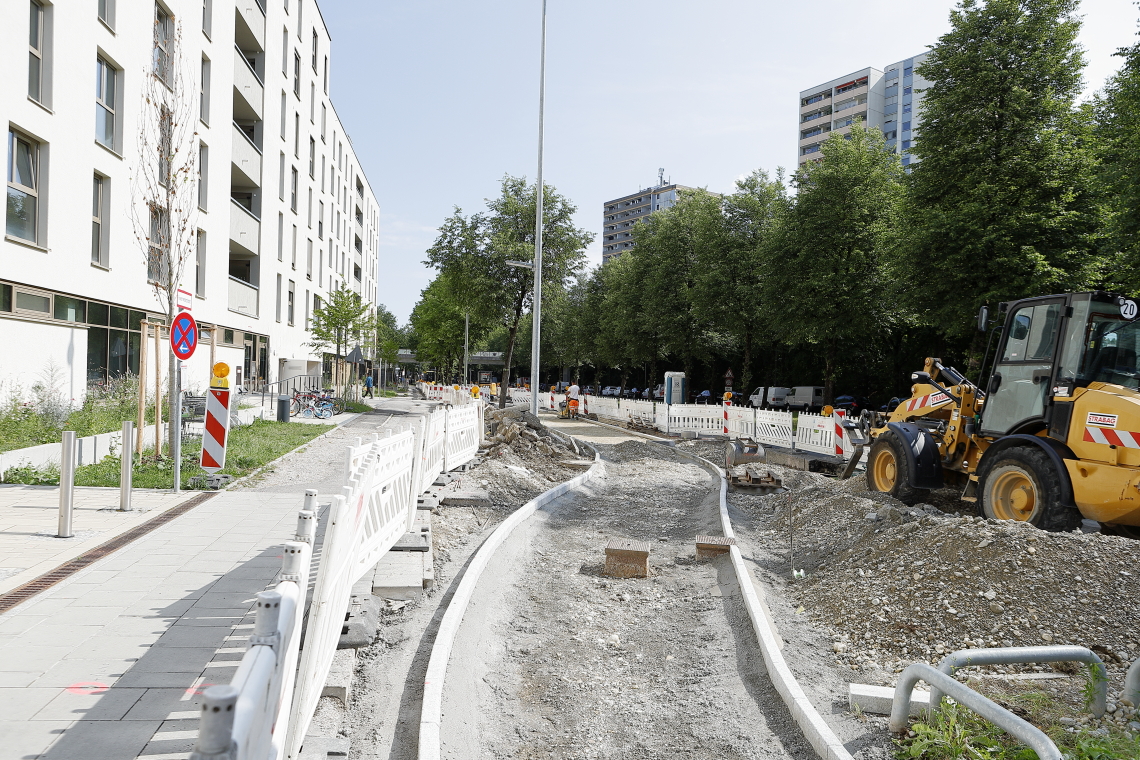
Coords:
pixel 75 704
pixel 104 739
pixel 22 704
pixel 399 575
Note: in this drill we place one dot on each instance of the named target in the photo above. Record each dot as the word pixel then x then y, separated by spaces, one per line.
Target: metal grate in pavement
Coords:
pixel 54 576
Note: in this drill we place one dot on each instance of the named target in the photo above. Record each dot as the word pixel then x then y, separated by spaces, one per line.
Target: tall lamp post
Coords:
pixel 536 321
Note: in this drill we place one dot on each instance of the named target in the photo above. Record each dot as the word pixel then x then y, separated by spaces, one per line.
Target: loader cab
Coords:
pixel 1052 345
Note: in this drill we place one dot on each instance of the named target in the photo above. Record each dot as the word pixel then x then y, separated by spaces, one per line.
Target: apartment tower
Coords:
pixel 622 213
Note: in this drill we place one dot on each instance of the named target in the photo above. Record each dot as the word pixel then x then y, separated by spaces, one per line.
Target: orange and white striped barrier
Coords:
pixel 217 425
pixel 727 404
pixel 838 414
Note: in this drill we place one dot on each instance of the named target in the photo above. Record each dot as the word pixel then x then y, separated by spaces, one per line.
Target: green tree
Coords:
pixel 473 252
pixel 438 323
pixel 1003 204
pixel 335 323
pixel 825 267
pixel 1118 110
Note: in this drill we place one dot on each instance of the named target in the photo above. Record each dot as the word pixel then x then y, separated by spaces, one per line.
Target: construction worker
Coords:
pixel 572 394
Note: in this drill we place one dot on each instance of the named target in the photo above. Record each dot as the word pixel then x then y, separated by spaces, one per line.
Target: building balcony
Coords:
pixel 816 105
pixel 246 161
pixel 814 139
pixel 250 26
pixel 243 298
pixel 249 93
pixel 245 230
pixel 861 90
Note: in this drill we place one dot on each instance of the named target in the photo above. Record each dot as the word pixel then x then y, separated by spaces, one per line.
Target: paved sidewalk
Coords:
pixel 111 662
pixel 29 519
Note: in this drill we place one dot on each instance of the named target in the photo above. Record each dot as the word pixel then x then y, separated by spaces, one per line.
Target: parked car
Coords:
pixel 645 394
pixel 704 397
pixel 611 390
pixel 771 397
pixel 806 398
pixel 631 392
pixel 853 405
pixel 659 393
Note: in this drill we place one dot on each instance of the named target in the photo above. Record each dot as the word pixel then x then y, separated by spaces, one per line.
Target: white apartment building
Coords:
pixel 285 213
pixel 888 99
pixel 622 213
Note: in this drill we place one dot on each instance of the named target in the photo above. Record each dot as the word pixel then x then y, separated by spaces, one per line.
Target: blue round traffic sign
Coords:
pixel 184 335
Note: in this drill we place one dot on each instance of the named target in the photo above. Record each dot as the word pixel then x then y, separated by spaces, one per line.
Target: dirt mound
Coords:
pixel 900 584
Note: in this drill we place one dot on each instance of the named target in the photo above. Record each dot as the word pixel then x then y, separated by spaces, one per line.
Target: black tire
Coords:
pixel 889 472
pixel 1022 484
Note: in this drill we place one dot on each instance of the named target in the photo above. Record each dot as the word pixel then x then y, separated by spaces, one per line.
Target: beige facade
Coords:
pixel 621 214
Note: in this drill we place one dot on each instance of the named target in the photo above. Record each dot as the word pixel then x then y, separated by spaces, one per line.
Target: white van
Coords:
pixel 805 398
pixel 772 397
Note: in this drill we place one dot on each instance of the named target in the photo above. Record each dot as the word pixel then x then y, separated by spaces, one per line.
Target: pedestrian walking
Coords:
pixel 368 386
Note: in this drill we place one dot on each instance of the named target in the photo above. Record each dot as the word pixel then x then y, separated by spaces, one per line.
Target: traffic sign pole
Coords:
pixel 183 342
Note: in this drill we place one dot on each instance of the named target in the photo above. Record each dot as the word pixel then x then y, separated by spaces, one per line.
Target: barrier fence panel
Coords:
pixel 639 411
pixel 774 428
pixel 741 422
pixel 815 433
pixel 432 448
pixel 696 417
pixel 464 429
pixel 605 406
pixel 242 718
pixel 365 521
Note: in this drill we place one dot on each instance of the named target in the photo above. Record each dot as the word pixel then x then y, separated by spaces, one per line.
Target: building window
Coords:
pixel 293 191
pixel 36 52
pixel 296 73
pixel 296 134
pixel 310 208
pixel 97 251
pixel 200 265
pixel 905 145
pixel 289 303
pixel 293 263
pixel 203 174
pixel 107 12
pixel 207 14
pixel 204 92
pixel 284 115
pixel 281 178
pixel 315 41
pixel 906 126
pixel 165 145
pixel 322 173
pixel 906 107
pixel 158 270
pixel 326 75
pixel 309 261
pixel 324 120
pixel 163 30
pixel 321 220
pixel 312 158
pixel 22 219
pixel 312 102
pixel 278 311
pixel 285 51
pixel 280 236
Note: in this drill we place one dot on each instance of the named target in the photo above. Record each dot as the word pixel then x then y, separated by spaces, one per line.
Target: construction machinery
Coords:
pixel 1050 435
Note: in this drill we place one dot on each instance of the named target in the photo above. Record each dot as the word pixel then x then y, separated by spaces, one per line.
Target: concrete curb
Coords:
pixel 431 712
pixel 826 744
pixel 646 436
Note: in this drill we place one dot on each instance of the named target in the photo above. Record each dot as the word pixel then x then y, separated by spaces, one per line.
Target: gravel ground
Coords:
pixel 556 660
pixel 888 584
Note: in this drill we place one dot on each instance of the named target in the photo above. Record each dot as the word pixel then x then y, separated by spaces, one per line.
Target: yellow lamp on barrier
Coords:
pixel 728 395
pixel 476 391
pixel 827 411
pixel 220 371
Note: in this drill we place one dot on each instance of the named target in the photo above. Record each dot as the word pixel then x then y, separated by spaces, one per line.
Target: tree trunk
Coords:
pixel 746 370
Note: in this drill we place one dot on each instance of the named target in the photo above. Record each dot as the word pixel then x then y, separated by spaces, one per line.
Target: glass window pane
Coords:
pixel 136 320
pixel 33 302
pixel 96 313
pixel 133 341
pixel 97 197
pixel 96 354
pixel 104 126
pixel 96 236
pixel 33 76
pixel 34 25
pixel 23 165
pixel 118 317
pixel 5 297
pixel 70 309
pixel 21 215
pixel 117 353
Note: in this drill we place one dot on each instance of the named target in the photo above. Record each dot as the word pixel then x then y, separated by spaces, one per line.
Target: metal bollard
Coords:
pixel 215 731
pixel 126 465
pixel 66 483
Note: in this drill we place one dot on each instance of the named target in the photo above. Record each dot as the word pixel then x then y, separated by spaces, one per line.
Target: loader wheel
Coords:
pixel 1023 485
pixel 888 471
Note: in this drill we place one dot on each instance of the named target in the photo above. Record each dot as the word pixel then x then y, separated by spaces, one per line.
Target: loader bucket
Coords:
pixel 742 451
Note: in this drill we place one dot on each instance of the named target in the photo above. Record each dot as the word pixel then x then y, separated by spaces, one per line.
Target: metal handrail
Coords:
pixel 1020 729
pixel 296 383
pixel 1010 655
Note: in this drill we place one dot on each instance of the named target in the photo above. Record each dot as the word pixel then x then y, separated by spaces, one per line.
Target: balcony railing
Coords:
pixel 245 229
pixel 243 297
pixel 246 157
pixel 249 89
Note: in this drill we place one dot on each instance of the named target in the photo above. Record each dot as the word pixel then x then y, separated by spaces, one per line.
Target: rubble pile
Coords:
pixel 901 584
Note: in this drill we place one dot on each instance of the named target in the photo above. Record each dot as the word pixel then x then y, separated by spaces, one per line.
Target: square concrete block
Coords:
pixel 339 682
pixel 878 699
pixel 627 559
pixel 399 575
pixel 709 547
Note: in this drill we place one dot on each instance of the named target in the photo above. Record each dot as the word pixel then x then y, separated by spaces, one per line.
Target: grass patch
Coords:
pixel 956 733
pixel 249 447
pixel 356 407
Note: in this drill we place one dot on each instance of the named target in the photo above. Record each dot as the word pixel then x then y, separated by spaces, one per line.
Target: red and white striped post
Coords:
pixel 838 414
pixel 552 406
pixel 217 426
pixel 727 404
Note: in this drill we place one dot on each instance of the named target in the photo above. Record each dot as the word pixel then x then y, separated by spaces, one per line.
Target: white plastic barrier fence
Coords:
pixel 697 417
pixel 364 522
pixel 741 421
pixel 239 720
pixel 640 412
pixel 605 406
pixel 815 433
pixel 774 428
pixel 431 449
pixel 464 428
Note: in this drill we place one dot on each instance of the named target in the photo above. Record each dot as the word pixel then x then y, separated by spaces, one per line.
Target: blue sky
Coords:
pixel 440 98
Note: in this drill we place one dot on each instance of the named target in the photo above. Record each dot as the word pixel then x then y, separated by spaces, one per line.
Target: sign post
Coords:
pixel 217 426
pixel 183 342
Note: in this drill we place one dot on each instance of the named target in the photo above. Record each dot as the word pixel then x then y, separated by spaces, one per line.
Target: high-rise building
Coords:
pixel 282 212
pixel 622 213
pixel 887 99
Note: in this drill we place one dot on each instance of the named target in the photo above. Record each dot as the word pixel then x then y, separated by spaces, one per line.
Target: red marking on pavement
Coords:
pixel 199 689
pixel 84 688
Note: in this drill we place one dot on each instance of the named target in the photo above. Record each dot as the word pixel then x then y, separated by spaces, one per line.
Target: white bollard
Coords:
pixel 265 631
pixel 66 483
pixel 311 500
pixel 215 731
pixel 126 465
pixel 292 554
pixel 306 526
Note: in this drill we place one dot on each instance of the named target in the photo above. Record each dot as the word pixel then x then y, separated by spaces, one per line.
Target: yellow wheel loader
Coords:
pixel 1053 434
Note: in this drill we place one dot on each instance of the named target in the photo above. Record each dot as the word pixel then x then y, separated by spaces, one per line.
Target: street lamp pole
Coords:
pixel 536 312
pixel 466 331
